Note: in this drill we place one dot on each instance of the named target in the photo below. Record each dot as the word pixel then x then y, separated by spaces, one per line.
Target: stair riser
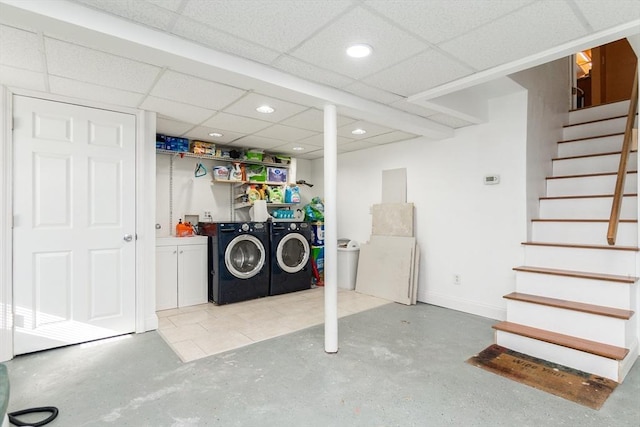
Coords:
pixel 604 261
pixel 598 113
pixel 588 291
pixel 580 360
pixel 588 130
pixel 590 146
pixel 587 233
pixel 589 185
pixel 602 329
pixel 591 208
pixel 590 165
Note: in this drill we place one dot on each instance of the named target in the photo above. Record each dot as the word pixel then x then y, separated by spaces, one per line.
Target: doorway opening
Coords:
pixel 604 74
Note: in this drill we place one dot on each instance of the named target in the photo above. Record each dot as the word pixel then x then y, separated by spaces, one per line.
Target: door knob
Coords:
pixel 128 237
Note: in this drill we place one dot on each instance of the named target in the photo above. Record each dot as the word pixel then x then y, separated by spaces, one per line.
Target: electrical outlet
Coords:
pixel 457 279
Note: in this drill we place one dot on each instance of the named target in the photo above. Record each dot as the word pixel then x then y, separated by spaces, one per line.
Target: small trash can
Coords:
pixel 348 252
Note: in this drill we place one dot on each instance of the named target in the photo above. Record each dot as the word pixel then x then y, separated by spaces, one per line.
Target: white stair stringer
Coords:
pixel 587 362
pixel 576 299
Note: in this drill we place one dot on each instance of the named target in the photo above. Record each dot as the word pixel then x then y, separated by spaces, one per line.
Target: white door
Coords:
pixel 74 224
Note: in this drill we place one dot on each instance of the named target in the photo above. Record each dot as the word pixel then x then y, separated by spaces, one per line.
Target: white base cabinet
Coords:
pixel 181 271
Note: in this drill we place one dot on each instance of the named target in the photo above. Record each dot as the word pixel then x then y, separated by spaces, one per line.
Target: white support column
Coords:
pixel 330 231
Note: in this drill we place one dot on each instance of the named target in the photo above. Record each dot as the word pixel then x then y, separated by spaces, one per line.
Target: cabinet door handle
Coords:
pixel 181 252
pixel 175 252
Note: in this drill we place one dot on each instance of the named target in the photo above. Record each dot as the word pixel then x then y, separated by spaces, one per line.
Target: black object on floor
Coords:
pixel 52 409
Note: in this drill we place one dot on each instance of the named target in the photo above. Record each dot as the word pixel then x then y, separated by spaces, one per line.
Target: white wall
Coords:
pixel 548 111
pixel 462 225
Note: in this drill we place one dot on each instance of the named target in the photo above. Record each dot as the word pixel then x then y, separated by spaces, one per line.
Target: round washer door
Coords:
pixel 293 253
pixel 244 256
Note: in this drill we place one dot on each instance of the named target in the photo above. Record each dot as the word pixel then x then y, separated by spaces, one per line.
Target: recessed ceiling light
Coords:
pixel 265 109
pixel 359 50
pixel 358 131
pixel 215 134
pixel 298 148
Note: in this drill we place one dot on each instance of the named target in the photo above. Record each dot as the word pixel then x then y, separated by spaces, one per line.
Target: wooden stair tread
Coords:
pixel 588 107
pixel 591 196
pixel 584 138
pixel 578 274
pixel 587 175
pixel 579 220
pixel 582 246
pixel 587 346
pixel 584 156
pixel 571 305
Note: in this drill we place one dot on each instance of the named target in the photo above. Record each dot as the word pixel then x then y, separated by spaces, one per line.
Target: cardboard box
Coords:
pixel 201 147
pixel 172 143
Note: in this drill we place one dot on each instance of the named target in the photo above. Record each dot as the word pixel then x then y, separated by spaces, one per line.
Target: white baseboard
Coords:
pixel 151 323
pixel 464 305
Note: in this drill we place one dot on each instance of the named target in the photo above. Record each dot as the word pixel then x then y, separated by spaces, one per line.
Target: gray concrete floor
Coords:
pixel 397 366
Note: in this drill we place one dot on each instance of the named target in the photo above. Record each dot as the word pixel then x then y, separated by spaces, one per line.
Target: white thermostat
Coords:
pixel 491 179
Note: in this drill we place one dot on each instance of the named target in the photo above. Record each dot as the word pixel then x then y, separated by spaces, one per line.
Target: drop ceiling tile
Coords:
pixel 373 93
pixel 388 138
pixel 279 24
pixel 602 14
pixel 433 67
pixel 285 133
pixel 252 141
pixel 530 30
pixel 234 123
pixel 327 48
pixel 170 127
pixel 181 112
pixel 195 91
pixel 452 122
pixel 172 5
pixel 20 49
pixel 313 120
pixel 412 108
pixel 93 92
pixel 317 154
pixel 372 130
pixel 439 20
pixel 201 133
pixel 318 140
pixel 289 149
pixel 142 12
pixel 355 146
pixel 93 66
pixel 19 78
pixel 219 40
pixel 310 72
pixel 247 107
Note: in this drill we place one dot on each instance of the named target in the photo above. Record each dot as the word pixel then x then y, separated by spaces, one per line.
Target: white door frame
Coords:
pixel 146 318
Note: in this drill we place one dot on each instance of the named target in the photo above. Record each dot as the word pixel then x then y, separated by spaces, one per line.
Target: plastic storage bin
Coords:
pixel 348 253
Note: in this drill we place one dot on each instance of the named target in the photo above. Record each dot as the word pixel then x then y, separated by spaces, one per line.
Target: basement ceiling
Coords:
pixel 205 65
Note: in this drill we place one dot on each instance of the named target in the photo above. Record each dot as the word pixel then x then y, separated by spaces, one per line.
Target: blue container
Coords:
pixel 317 234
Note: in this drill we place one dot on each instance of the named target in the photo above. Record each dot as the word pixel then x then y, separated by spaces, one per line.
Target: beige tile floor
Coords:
pixel 203 330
